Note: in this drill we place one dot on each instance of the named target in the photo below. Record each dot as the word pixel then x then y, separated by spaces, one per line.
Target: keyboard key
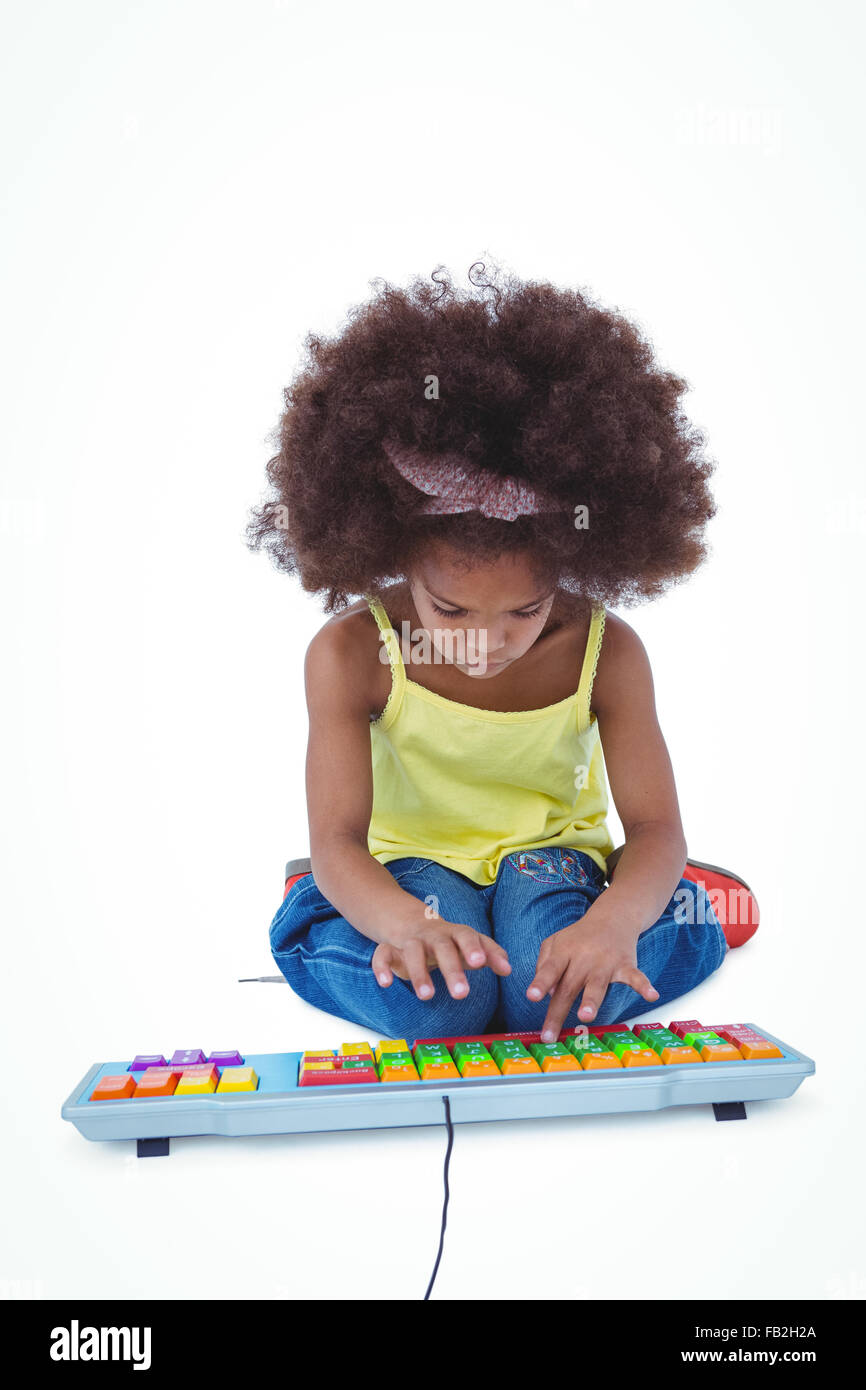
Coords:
pixel 640 1057
pixel 690 1025
pixel 512 1065
pixel 188 1058
pixel 400 1072
pixel 142 1063
pixel 672 1056
pixel 600 1061
pixel 478 1066
pixel 157 1081
pixel 226 1059
pixel 238 1079
pixel 318 1074
pixel 437 1069
pixel 559 1061
pixel 756 1049
pixel 400 1045
pixel 720 1051
pixel 197 1081
pixel 114 1088
pixel 359 1049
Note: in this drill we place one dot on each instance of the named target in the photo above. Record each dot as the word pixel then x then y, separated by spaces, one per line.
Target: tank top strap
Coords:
pixel 398 670
pixel 590 662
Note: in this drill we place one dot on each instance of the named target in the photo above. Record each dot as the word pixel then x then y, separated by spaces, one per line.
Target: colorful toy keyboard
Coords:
pixel 589 1071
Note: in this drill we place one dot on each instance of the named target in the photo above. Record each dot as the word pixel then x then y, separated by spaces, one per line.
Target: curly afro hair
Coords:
pixel 535 383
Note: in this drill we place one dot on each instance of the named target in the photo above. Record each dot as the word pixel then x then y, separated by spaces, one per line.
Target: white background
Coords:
pixel 188 189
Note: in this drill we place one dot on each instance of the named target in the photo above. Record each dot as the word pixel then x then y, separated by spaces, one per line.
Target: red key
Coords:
pixel 683 1026
pixel 340 1076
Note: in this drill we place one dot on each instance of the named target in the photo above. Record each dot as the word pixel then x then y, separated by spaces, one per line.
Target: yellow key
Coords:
pixel 196 1084
pixel 238 1079
pixel 323 1064
pixel 356 1050
pixel 318 1055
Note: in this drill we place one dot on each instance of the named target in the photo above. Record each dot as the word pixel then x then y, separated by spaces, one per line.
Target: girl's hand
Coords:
pixel 413 951
pixel 588 955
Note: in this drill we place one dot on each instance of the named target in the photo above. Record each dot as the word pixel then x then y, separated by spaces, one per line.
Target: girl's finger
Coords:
pixel 414 953
pixel 547 976
pixel 381 965
pixel 560 1006
pixel 450 965
pixel 472 946
pixel 593 995
pixel 638 981
pixel 479 950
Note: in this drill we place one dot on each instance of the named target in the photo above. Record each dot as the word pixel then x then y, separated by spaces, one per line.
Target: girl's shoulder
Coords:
pixel 345 653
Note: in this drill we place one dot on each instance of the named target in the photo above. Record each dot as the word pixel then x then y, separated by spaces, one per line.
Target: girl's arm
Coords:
pixel 641 780
pixel 601 948
pixel 339 780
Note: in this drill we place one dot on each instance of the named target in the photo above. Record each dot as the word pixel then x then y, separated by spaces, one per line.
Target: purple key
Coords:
pixel 226 1059
pixel 190 1058
pixel 142 1063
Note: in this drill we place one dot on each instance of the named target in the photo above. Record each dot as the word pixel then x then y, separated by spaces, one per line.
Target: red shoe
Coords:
pixel 731 899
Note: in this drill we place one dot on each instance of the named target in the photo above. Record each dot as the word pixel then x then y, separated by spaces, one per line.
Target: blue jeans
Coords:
pixel 536 893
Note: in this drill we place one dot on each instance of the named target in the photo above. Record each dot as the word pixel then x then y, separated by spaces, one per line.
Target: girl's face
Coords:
pixel 481 620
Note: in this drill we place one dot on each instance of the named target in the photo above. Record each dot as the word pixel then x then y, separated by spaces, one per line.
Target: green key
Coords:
pixel 620 1048
pixel 584 1043
pixel 501 1051
pixel 431 1050
pixel 660 1039
pixel 349 1062
pixel 700 1039
pixel 478 1050
pixel 542 1050
pixel 396 1059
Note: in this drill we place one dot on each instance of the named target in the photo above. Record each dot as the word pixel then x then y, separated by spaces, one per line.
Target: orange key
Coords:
pixel 114 1088
pixel 157 1081
pixel 645 1058
pixel 679 1054
pixel 595 1061
pixel 754 1049
pixel 555 1063
pixel 721 1052
pixel 481 1068
pixel 520 1066
pixel 438 1071
pixel 404 1073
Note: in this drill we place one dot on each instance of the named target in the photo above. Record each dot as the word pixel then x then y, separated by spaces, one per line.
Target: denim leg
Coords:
pixel 540 892
pixel 676 953
pixel 328 962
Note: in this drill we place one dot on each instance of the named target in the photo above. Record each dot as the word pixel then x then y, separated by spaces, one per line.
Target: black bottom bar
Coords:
pixel 152 1148
pixel 725 1110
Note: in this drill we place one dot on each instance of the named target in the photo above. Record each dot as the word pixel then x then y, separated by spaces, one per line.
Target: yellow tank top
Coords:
pixel 466 787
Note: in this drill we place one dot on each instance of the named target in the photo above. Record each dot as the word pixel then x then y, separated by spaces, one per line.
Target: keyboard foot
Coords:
pixel 152 1148
pixel 730 1109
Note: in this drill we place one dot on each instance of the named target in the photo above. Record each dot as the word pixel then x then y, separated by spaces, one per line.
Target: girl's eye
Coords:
pixel 456 612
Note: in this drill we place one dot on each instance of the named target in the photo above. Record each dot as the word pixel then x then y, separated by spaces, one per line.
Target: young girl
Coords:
pixel 489 474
